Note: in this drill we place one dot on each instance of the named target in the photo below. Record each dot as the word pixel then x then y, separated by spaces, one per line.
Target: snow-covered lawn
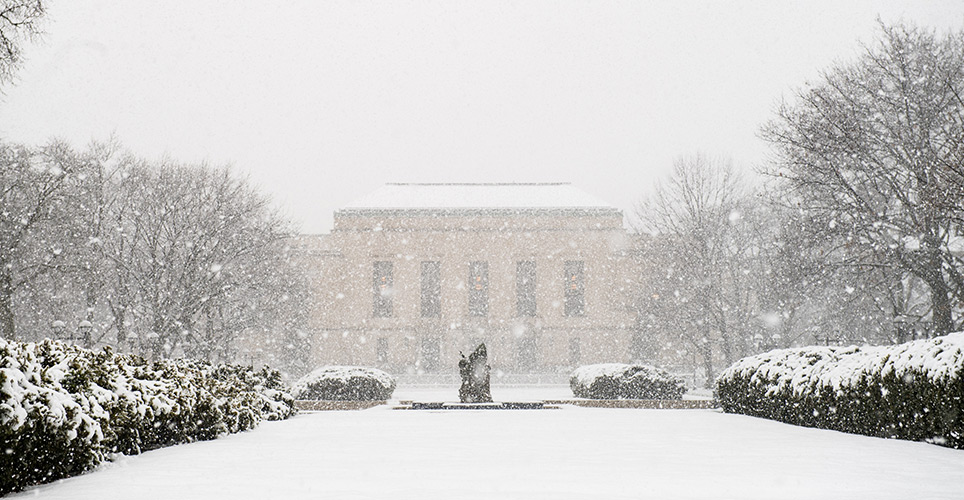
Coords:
pixel 569 453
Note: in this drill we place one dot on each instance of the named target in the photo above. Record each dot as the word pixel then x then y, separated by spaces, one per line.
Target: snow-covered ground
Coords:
pixel 572 453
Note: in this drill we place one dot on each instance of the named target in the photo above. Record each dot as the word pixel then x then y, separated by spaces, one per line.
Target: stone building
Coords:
pixel 414 274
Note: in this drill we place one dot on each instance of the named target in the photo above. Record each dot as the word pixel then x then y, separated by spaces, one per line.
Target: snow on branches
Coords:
pixel 908 391
pixel 64 409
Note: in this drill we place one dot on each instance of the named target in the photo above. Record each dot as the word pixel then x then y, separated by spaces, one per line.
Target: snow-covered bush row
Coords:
pixel 621 381
pixel 64 409
pixel 908 391
pixel 345 383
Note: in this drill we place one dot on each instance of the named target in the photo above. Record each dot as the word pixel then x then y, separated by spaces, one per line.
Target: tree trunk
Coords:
pixel 706 351
pixel 725 342
pixel 120 315
pixel 942 316
pixel 90 299
pixel 6 306
pixel 157 337
pixel 932 273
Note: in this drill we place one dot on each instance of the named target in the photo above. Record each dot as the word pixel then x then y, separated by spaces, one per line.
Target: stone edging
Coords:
pixel 651 404
pixel 313 405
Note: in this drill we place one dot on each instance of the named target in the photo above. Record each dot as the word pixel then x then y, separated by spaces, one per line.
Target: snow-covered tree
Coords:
pixel 874 154
pixel 805 295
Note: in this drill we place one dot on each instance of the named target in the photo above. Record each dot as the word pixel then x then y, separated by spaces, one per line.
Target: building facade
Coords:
pixel 414 274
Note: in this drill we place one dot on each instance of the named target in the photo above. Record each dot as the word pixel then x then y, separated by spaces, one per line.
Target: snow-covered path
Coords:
pixel 572 453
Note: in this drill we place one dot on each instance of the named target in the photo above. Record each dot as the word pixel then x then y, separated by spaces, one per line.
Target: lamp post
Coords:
pixel 758 342
pixel 84 329
pixel 827 338
pixel 131 340
pixel 900 324
pixel 58 330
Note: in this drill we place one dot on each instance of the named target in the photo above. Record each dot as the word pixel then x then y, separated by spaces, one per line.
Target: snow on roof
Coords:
pixel 482 196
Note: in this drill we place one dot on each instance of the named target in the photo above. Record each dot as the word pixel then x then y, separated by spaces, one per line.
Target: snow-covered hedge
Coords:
pixel 345 383
pixel 64 409
pixel 622 381
pixel 908 391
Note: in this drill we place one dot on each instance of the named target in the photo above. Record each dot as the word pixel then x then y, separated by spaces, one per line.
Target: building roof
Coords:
pixel 459 197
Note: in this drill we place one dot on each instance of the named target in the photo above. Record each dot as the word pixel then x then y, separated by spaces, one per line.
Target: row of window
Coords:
pixel 430 353
pixel 478 288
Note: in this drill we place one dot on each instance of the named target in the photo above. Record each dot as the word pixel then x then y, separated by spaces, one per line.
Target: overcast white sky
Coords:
pixel 323 101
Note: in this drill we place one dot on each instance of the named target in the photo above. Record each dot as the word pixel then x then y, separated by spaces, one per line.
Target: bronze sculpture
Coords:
pixel 475 377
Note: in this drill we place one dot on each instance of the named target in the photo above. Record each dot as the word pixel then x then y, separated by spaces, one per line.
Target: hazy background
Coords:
pixel 323 101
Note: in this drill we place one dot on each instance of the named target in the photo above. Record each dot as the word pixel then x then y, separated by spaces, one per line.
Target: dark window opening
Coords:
pixel 474 343
pixel 525 288
pixel 575 352
pixel 381 351
pixel 575 288
pixel 382 289
pixel 640 345
pixel 430 355
pixel 526 360
pixel 431 289
pixel 478 288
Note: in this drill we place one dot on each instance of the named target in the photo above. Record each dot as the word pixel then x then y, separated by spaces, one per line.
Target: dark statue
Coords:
pixel 475 377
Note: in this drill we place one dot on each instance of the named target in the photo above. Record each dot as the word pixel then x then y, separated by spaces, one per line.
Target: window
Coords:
pixel 639 344
pixel 382 289
pixel 431 289
pixel 474 343
pixel 575 352
pixel 525 288
pixel 526 360
pixel 430 355
pixel 575 288
pixel 381 351
pixel 478 288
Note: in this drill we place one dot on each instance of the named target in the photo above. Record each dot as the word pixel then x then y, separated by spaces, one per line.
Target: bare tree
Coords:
pixel 703 217
pixel 36 229
pixel 266 320
pixel 188 245
pixel 164 258
pixel 669 325
pixel 874 153
pixel 19 22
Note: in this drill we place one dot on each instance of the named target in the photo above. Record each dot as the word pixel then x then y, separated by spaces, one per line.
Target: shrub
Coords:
pixel 909 391
pixel 64 409
pixel 345 383
pixel 621 381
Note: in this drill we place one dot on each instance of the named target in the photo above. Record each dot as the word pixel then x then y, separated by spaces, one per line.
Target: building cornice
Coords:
pixel 477 212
